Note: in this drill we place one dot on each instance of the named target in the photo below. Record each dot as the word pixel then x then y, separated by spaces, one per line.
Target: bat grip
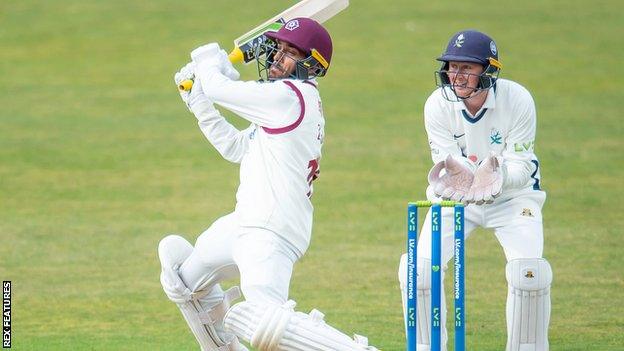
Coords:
pixel 186 85
pixel 236 56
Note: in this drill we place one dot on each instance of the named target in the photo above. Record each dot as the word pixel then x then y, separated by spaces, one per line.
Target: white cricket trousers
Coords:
pixel 263 260
pixel 517 224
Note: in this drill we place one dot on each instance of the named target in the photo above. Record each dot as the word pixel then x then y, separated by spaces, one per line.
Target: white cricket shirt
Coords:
pixel 279 152
pixel 505 125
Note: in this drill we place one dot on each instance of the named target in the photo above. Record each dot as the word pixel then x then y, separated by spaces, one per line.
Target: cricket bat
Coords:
pixel 245 46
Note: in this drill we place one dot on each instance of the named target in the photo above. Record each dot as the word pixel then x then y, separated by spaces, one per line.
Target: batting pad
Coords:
pixel 202 310
pixel 423 293
pixel 528 304
pixel 205 318
pixel 273 328
pixel 403 286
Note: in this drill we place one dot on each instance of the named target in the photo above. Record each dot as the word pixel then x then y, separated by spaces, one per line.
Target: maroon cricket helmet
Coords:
pixel 308 36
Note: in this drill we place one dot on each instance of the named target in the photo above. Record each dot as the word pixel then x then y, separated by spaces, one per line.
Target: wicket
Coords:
pixel 436 274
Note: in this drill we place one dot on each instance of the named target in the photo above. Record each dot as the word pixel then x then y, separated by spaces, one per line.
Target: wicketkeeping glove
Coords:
pixel 456 181
pixel 488 182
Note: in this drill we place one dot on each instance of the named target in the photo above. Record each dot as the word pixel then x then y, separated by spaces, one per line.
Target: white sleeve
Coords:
pixel 271 105
pixel 230 142
pixel 518 153
pixel 441 141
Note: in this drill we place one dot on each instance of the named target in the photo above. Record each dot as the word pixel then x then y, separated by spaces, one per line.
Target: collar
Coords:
pixel 489 103
pixel 312 82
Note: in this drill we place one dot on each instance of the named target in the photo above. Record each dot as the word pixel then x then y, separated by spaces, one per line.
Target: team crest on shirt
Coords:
pixel 495 137
pixel 526 212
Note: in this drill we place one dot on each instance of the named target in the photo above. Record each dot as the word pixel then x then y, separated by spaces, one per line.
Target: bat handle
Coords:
pixel 236 56
pixel 186 85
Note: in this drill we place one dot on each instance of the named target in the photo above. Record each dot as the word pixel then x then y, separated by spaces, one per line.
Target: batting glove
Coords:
pixel 211 56
pixel 186 73
pixel 194 99
pixel 228 69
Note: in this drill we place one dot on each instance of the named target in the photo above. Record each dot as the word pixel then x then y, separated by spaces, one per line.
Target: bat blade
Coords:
pixel 318 10
pixel 329 11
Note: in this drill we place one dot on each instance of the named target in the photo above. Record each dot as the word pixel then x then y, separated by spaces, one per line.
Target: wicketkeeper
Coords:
pixel 481 131
pixel 270 228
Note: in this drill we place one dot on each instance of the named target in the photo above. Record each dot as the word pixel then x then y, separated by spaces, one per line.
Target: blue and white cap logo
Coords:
pixel 493 48
pixel 292 25
pixel 459 41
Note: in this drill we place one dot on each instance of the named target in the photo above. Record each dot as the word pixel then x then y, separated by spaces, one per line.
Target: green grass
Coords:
pixel 99 159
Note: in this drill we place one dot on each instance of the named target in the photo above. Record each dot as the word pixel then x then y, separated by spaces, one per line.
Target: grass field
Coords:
pixel 99 159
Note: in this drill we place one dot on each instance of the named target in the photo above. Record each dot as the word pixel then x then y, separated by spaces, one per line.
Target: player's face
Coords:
pixel 464 77
pixel 285 60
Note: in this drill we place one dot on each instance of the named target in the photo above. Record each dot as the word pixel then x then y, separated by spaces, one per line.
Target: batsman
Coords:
pixel 269 230
pixel 481 132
